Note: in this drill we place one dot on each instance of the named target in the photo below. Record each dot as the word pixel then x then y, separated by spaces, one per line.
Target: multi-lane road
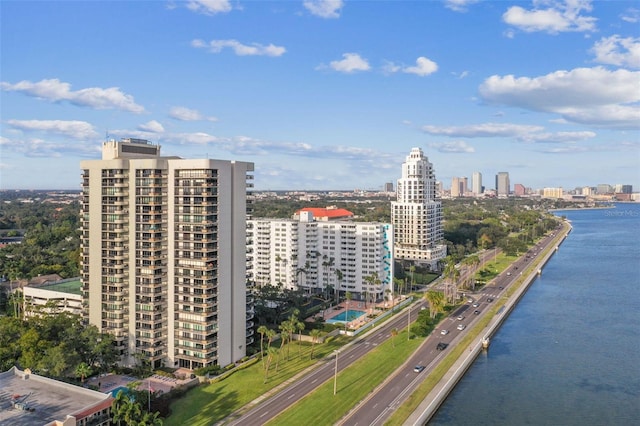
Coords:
pixel 396 389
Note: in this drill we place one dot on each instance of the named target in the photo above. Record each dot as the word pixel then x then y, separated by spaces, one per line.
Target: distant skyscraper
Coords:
pixel 519 190
pixel 502 184
pixel 416 214
pixel 476 183
pixel 388 187
pixel 604 188
pixel 456 187
pixel 163 251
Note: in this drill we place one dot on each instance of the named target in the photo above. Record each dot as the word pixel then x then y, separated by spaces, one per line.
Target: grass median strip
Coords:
pixel 322 407
pixel 210 403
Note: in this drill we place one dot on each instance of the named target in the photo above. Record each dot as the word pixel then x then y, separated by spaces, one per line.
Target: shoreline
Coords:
pixel 430 405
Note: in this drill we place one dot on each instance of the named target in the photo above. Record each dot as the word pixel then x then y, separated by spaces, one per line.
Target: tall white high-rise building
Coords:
pixel 164 254
pixel 476 183
pixel 416 214
pixel 320 257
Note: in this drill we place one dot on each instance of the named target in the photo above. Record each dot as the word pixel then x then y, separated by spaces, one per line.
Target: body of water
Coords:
pixel 345 316
pixel 569 353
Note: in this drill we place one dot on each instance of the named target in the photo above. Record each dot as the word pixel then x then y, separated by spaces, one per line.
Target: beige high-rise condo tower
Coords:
pixel 416 214
pixel 164 255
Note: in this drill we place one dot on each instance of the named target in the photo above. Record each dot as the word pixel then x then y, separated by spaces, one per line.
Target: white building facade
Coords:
pixel 164 254
pixel 476 183
pixel 416 214
pixel 321 257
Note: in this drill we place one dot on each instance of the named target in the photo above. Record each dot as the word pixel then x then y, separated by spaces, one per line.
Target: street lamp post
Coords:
pixel 335 375
pixel 409 323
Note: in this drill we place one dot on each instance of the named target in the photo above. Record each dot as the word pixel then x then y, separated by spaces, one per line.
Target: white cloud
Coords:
pixel 209 7
pixel 254 49
pixel 151 126
pixel 73 129
pixel 559 16
pixel 459 5
pixel 453 147
pixel 619 51
pixel 631 15
pixel 94 97
pixel 352 62
pixel 483 130
pixel 593 96
pixel 186 114
pixel 558 137
pixel 324 8
pixel 424 66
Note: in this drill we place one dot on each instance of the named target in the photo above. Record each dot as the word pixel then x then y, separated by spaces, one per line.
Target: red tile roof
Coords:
pixel 324 212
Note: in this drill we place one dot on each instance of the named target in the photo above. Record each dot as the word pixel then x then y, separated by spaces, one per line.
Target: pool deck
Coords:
pixel 357 305
pixel 155 383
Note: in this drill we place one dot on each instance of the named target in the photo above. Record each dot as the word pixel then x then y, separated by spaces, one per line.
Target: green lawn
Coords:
pixel 207 404
pixel 322 407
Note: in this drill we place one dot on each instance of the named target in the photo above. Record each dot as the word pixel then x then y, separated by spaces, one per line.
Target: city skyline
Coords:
pixel 323 94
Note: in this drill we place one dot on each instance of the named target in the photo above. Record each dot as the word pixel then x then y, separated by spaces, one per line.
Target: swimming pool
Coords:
pixel 114 392
pixel 342 316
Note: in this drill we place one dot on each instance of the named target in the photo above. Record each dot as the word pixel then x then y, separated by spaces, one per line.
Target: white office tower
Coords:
pixel 476 183
pixel 164 255
pixel 416 214
pixel 320 257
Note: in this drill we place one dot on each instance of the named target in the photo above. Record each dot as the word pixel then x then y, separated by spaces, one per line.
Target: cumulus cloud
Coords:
pixel 94 97
pixel 187 114
pixel 631 15
pixel 559 16
pixel 350 63
pixel 453 147
pixel 73 129
pixel 50 147
pixel 619 51
pixel 558 137
pixel 209 7
pixel 151 126
pixel 483 130
pixel 254 49
pixel 424 66
pixel 595 96
pixel 459 5
pixel 324 8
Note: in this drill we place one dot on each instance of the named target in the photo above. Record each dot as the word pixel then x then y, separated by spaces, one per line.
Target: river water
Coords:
pixel 569 353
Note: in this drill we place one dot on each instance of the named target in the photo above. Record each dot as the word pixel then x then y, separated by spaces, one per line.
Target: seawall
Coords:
pixel 439 393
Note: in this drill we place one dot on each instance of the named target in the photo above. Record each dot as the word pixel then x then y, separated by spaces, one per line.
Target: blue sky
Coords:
pixel 326 94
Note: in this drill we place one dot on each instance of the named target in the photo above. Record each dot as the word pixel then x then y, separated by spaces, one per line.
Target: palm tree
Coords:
pixel 339 276
pixel 83 370
pixel 436 302
pixel 452 274
pixel 346 318
pixel 326 263
pixel 315 334
pixel 394 333
pixel 271 353
pixel 262 330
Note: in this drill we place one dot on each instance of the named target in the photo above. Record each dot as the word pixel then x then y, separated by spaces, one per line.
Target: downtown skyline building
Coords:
pixel 503 187
pixel 320 257
pixel 163 255
pixel 416 215
pixel 476 183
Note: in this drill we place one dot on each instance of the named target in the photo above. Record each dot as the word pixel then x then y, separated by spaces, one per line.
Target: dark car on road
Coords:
pixel 442 346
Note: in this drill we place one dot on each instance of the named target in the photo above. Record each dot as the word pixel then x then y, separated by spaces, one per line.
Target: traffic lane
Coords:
pixel 297 390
